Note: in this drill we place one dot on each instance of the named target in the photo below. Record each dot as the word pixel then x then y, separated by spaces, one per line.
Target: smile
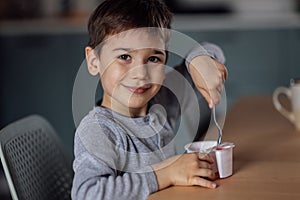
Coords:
pixel 138 90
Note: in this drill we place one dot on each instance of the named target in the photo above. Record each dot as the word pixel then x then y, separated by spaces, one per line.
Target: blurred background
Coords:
pixel 42 47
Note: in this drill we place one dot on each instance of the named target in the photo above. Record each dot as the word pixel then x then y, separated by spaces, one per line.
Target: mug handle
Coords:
pixel 288 94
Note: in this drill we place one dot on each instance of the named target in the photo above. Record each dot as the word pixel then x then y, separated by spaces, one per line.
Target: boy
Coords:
pixel 123 149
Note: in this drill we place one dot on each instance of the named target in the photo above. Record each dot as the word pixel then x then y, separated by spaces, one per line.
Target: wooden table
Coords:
pixel 266 157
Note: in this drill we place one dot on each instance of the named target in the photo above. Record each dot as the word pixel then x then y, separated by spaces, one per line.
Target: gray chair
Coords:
pixel 34 162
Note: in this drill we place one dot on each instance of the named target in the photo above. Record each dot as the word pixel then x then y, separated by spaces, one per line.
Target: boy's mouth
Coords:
pixel 138 90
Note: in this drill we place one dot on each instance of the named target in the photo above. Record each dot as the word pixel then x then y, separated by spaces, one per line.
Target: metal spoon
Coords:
pixel 218 126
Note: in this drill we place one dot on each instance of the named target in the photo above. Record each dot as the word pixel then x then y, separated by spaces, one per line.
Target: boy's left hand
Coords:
pixel 208 76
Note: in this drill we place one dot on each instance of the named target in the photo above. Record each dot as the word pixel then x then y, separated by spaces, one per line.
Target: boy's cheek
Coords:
pixel 110 69
pixel 158 76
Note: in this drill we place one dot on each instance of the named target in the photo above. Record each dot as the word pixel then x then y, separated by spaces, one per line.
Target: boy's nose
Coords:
pixel 140 71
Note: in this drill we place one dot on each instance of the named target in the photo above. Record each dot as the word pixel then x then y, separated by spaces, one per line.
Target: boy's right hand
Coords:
pixel 186 170
pixel 208 76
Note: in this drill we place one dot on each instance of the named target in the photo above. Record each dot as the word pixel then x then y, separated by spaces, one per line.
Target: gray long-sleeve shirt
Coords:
pixel 113 154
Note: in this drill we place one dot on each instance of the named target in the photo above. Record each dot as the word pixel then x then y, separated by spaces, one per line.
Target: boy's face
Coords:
pixel 131 67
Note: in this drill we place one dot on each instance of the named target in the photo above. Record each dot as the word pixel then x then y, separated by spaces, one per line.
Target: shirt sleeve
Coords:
pixel 94 179
pixel 206 48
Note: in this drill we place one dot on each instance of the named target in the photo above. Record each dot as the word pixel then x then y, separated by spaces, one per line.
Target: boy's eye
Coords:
pixel 154 59
pixel 124 57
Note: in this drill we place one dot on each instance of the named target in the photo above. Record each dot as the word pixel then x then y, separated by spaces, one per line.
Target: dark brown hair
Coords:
pixel 114 16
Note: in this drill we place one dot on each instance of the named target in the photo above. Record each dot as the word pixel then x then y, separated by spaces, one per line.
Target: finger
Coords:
pixel 225 72
pixel 215 96
pixel 206 173
pixel 211 103
pixel 222 68
pixel 204 165
pixel 224 77
pixel 220 89
pixel 212 94
pixel 220 81
pixel 203 182
pixel 205 157
pixel 215 91
pixel 209 97
pixel 206 96
pixel 222 72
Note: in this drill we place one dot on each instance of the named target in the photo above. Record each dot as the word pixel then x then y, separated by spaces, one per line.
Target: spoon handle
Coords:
pixel 218 126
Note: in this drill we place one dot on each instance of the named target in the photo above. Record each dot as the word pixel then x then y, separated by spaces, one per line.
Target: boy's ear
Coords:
pixel 93 62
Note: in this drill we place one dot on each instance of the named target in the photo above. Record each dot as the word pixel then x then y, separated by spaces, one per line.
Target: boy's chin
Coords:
pixel 137 105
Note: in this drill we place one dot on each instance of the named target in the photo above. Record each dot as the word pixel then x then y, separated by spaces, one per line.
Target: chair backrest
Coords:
pixel 34 162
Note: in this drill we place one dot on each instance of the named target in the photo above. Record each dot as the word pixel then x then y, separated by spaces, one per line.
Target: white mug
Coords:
pixel 293 94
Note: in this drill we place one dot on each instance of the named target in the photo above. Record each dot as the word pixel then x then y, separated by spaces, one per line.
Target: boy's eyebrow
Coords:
pixel 156 51
pixel 123 49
